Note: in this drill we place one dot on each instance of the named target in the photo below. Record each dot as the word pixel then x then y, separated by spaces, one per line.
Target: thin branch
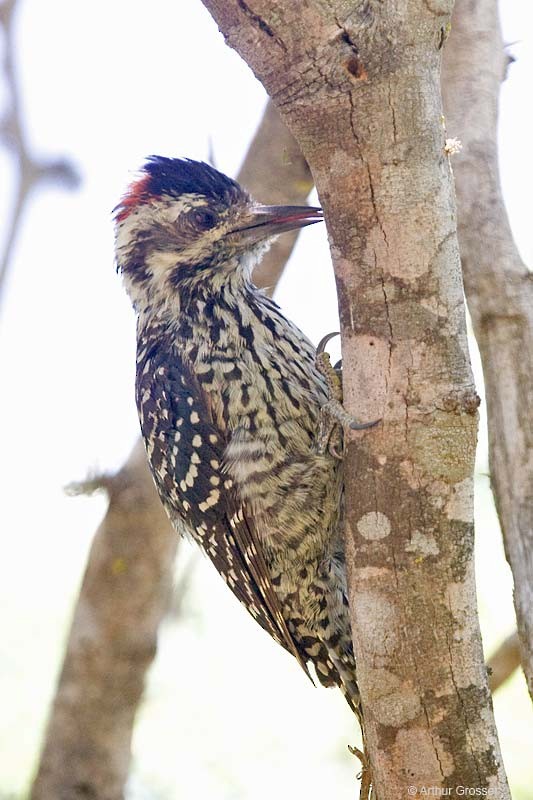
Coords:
pixel 29 173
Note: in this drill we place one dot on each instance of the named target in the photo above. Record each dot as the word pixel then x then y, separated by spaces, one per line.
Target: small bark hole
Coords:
pixel 354 66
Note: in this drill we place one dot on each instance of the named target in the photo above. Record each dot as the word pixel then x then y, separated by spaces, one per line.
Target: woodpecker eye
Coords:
pixel 204 220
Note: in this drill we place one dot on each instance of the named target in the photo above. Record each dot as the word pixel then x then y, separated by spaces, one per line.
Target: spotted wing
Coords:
pixel 185 450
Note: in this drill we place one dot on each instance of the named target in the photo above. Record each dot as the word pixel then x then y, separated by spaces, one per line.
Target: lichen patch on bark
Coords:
pixel 442 449
pixel 374 525
pixel 461 501
pixel 422 543
pixel 394 704
pixel 383 638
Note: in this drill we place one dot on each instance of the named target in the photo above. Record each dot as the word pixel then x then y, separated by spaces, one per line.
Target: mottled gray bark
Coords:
pixel 498 286
pixel 358 84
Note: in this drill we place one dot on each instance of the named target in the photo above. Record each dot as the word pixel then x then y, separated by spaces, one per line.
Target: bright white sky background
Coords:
pixel 227 714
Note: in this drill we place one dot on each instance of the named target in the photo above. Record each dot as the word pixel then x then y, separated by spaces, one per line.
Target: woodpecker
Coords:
pixel 229 396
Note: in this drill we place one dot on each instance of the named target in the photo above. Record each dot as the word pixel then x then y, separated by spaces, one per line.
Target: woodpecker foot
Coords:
pixel 333 416
pixel 365 776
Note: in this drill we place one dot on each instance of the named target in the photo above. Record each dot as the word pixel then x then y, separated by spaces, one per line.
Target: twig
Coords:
pixel 30 172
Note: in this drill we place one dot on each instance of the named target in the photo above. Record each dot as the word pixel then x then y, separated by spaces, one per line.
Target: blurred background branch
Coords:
pixel 276 172
pixel 124 596
pixel 30 172
pixel 498 286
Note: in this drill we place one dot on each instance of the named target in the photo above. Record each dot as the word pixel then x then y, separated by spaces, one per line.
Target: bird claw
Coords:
pixel 324 341
pixel 362 426
pixel 333 415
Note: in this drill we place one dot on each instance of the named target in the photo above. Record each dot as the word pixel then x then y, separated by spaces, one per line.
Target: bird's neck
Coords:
pixel 207 311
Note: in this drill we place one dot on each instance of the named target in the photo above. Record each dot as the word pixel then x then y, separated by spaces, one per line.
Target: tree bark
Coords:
pixel 498 287
pixel 358 84
pixel 125 591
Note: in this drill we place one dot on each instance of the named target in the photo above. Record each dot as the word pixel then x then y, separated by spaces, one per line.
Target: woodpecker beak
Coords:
pixel 267 221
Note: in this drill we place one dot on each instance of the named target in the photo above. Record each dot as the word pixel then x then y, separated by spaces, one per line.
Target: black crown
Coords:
pixel 178 176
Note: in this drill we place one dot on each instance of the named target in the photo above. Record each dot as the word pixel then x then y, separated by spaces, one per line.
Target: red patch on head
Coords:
pixel 136 195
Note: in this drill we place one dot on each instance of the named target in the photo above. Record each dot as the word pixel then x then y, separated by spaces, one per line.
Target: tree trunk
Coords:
pixel 498 286
pixel 358 85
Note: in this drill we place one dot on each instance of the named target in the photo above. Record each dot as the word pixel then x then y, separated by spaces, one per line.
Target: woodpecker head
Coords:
pixel 183 224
